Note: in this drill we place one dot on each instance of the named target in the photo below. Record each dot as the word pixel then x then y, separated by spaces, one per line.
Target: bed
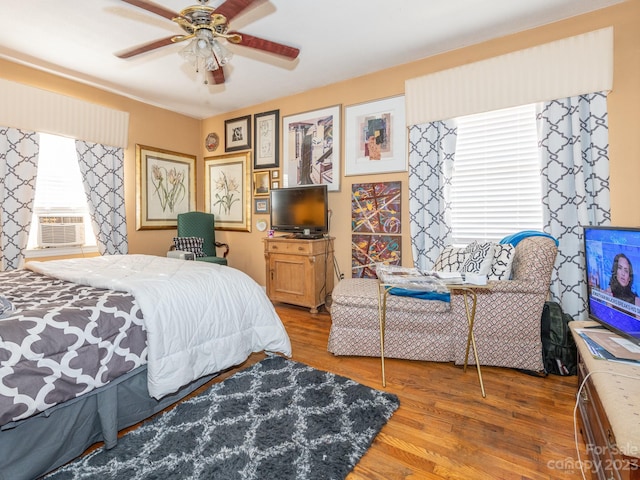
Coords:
pixel 91 346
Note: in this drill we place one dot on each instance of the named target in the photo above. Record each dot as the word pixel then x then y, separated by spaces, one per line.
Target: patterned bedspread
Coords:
pixel 62 341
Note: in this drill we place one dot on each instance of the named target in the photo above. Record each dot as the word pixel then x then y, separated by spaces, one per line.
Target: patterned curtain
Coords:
pixel 574 145
pixel 431 153
pixel 18 169
pixel 102 169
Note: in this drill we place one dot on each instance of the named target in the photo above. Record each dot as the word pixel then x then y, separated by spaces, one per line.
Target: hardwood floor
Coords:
pixel 523 429
pixel 444 429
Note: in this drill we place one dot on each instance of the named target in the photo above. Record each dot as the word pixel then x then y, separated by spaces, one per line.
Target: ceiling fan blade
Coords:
pixel 146 47
pixel 232 8
pixel 153 8
pixel 267 45
pixel 217 75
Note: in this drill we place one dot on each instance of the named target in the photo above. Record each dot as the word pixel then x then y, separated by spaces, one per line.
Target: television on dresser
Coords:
pixel 612 256
pixel 301 211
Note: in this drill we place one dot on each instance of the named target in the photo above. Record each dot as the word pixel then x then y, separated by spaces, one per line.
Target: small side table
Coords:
pixel 470 301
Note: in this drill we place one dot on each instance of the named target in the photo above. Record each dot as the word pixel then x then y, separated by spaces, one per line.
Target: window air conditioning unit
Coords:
pixel 60 230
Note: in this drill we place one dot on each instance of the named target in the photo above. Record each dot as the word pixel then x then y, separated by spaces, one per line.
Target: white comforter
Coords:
pixel 200 317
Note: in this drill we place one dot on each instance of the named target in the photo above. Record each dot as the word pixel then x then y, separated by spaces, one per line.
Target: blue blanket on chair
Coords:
pixel 421 294
pixel 517 237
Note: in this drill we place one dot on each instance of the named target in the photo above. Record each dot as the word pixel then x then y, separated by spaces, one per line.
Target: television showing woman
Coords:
pixel 621 282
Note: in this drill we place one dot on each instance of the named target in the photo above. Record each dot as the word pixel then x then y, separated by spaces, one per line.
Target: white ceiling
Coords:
pixel 338 39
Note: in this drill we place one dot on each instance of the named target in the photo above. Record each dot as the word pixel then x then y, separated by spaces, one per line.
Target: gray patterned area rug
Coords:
pixel 278 419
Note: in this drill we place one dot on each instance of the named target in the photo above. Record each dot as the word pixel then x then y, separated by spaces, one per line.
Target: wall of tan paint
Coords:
pixel 162 129
pixel 148 125
pixel 624 102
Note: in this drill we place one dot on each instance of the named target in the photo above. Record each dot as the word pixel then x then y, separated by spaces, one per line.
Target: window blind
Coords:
pixel 59 188
pixel 59 183
pixel 496 188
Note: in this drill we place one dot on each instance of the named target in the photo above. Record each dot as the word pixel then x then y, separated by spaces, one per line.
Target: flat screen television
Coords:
pixel 302 211
pixel 612 257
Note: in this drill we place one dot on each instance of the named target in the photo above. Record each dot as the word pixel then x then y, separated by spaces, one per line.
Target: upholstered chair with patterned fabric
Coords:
pixel 507 321
pixel 196 233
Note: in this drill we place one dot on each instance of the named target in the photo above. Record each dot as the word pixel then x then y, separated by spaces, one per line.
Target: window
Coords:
pixel 60 212
pixel 496 189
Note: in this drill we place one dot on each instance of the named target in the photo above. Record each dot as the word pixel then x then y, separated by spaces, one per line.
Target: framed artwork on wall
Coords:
pixel 261 205
pixel 228 190
pixel 266 131
pixel 367 250
pixel 237 134
pixel 311 148
pixel 376 226
pixel 261 183
pixel 166 186
pixel 375 137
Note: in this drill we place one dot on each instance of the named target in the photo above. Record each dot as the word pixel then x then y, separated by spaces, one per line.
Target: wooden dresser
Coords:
pixel 299 272
pixel 609 414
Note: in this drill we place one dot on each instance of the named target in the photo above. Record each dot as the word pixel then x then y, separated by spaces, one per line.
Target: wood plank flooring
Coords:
pixel 444 429
pixel 523 429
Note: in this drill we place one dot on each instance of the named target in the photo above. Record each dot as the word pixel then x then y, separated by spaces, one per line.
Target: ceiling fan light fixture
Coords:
pixel 206 30
pixel 199 54
pixel 222 54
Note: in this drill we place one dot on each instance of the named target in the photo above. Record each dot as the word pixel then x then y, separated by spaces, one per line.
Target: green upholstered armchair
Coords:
pixel 201 224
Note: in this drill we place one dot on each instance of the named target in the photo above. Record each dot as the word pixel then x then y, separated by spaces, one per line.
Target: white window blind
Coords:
pixel 496 188
pixel 59 189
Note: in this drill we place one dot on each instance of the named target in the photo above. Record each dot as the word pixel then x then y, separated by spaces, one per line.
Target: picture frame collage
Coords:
pixel 238 182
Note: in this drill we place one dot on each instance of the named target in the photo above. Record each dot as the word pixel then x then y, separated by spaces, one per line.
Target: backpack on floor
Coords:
pixel 559 351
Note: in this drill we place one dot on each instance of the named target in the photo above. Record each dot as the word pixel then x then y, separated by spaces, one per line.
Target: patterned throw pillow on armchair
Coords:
pixel 450 259
pixel 478 258
pixel 190 244
pixel 502 261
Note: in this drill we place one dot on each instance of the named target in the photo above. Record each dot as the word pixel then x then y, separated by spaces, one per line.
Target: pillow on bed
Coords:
pixel 190 244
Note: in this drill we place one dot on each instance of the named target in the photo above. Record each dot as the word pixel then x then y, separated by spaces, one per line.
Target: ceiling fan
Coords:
pixel 205 26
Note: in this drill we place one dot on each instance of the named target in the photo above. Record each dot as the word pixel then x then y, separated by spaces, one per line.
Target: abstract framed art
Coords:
pixel 375 137
pixel 237 134
pixel 311 148
pixel 266 131
pixel 228 190
pixel 166 186
pixel 376 226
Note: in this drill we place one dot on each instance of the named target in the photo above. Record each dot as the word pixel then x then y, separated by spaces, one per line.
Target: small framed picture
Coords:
pixel 261 205
pixel 275 185
pixel 266 130
pixel 275 174
pixel 237 134
pixel 261 183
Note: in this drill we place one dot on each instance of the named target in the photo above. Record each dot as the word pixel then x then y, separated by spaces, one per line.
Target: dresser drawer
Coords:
pixel 298 247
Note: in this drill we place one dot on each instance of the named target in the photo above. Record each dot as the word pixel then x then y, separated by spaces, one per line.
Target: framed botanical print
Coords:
pixel 237 133
pixel 311 148
pixel 166 186
pixel 266 131
pixel 228 190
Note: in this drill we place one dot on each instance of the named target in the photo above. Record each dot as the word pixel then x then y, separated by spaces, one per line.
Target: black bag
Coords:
pixel 559 351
